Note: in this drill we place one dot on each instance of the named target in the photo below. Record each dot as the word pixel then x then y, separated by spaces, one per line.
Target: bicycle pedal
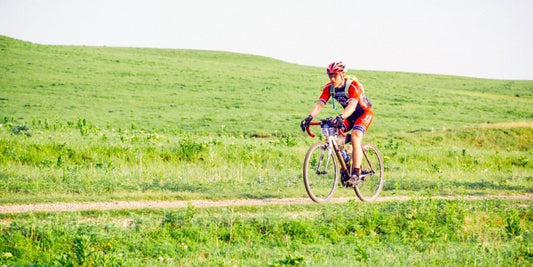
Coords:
pixel 343 183
pixel 346 185
pixel 365 173
pixel 351 183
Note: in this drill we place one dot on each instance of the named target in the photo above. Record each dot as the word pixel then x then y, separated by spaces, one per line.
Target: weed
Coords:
pixel 512 223
pixel 289 260
pixel 190 150
pixel 21 129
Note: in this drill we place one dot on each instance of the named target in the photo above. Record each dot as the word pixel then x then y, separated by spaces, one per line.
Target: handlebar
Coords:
pixel 343 134
pixel 309 130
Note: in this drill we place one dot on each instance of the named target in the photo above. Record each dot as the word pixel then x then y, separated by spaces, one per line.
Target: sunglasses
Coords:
pixel 333 75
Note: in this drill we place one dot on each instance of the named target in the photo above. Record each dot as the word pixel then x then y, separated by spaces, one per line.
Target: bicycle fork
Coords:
pixel 319 166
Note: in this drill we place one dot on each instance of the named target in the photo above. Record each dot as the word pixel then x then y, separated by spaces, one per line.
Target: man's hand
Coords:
pixel 305 123
pixel 338 122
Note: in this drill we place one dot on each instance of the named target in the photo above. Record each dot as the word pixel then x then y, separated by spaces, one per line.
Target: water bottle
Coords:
pixel 345 156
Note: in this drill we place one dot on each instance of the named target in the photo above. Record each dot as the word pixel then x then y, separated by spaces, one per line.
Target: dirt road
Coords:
pixel 117 205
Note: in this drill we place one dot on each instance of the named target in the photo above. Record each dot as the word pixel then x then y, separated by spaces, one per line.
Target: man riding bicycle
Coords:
pixel 357 114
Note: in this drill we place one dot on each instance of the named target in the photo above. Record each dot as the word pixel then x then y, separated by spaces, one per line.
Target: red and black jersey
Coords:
pixel 362 115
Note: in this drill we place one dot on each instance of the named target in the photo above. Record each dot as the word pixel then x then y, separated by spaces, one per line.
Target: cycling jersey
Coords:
pixel 361 118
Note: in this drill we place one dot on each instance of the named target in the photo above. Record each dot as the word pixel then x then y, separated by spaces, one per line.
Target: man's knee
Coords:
pixel 357 136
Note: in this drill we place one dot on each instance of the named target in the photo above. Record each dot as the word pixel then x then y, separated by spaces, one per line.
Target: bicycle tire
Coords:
pixel 369 188
pixel 320 172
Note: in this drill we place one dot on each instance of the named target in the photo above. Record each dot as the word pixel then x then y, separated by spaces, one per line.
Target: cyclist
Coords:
pixel 357 114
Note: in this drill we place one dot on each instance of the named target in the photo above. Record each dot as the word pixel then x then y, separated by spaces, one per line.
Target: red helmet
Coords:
pixel 336 67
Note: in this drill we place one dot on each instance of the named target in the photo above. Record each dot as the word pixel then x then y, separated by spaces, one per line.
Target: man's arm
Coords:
pixel 317 108
pixel 349 109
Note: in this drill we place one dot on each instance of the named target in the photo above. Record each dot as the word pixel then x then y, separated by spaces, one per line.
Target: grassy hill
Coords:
pixel 105 124
pixel 156 123
pixel 143 123
pixel 217 92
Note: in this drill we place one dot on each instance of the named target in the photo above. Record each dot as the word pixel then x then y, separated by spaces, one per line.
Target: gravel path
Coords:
pixel 118 205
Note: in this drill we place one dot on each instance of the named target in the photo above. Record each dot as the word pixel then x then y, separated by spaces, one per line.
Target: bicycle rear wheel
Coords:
pixel 320 172
pixel 372 174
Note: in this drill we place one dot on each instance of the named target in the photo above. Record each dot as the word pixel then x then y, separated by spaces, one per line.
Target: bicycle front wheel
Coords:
pixel 320 172
pixel 372 174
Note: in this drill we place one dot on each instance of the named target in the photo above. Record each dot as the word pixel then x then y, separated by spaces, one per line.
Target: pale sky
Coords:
pixel 475 38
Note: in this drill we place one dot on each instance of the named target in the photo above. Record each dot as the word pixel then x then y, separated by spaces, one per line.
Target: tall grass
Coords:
pixel 103 164
pixel 419 233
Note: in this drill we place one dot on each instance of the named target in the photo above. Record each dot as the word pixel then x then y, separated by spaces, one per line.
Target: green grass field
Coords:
pixel 411 233
pixel 102 124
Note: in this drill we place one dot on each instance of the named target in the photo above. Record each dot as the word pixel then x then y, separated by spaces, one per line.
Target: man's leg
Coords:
pixel 359 129
pixel 357 151
pixel 357 156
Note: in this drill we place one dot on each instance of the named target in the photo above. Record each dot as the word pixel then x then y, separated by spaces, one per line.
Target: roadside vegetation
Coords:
pixel 103 124
pixel 106 164
pixel 415 233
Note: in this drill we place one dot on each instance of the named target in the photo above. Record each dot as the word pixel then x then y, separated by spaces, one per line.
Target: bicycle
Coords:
pixel 324 163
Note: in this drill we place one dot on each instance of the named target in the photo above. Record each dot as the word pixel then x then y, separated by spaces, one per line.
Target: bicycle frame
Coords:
pixel 332 142
pixel 369 164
